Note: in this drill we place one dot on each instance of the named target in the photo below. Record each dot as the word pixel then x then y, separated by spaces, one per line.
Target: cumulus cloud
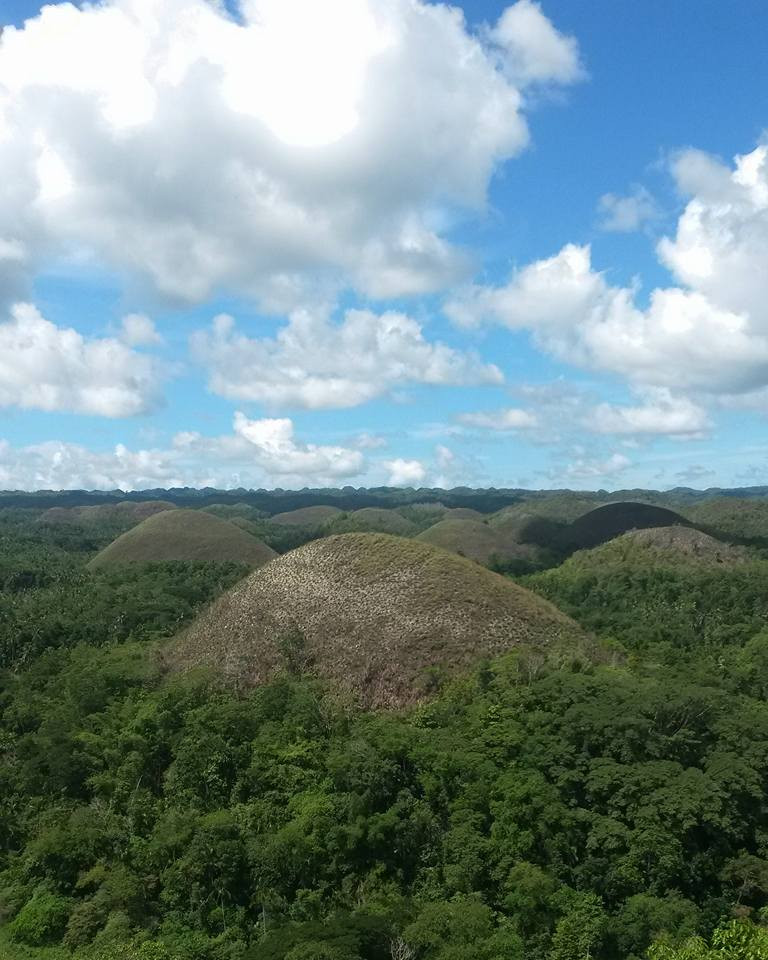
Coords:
pixel 315 363
pixel 510 418
pixel 405 473
pixel 627 214
pixel 198 151
pixel 662 414
pixel 55 369
pixel 256 453
pixel 537 53
pixel 706 338
pixel 137 330
pixel 592 468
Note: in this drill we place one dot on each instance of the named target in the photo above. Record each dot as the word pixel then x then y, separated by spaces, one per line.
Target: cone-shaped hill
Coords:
pixel 307 516
pixel 684 543
pixel 478 541
pixel 183 535
pixel 127 511
pixel 542 521
pixel 373 520
pixel 371 613
pixel 613 519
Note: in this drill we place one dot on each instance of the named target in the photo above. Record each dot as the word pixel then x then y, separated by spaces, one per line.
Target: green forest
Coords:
pixel 538 807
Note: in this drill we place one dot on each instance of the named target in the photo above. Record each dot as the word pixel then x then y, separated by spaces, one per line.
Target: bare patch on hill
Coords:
pixel 376 615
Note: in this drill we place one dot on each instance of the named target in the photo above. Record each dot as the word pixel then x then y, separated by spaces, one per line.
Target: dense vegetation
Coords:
pixel 535 809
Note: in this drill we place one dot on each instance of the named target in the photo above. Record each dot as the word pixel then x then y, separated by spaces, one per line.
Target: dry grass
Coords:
pixel 183 535
pixel 374 614
pixel 688 543
pixel 478 541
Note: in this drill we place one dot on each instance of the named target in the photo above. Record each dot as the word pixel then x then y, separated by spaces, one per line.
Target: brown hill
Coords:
pixel 183 535
pixel 475 540
pixel 372 613
pixel 686 542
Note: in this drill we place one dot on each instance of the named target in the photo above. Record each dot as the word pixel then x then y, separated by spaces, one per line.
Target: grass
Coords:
pixel 733 518
pixel 373 520
pixel 183 535
pixel 381 617
pixel 307 516
pixel 475 540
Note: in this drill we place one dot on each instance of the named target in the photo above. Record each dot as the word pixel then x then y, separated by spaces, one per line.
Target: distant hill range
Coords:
pixel 349 499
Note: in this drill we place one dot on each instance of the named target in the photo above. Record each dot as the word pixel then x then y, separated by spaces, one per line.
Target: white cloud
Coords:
pixel 45 367
pixel 536 52
pixel 587 468
pixel 508 419
pixel 315 363
pixel 256 453
pixel 707 337
pixel 405 473
pixel 629 213
pixel 138 330
pixel 661 414
pixel 200 152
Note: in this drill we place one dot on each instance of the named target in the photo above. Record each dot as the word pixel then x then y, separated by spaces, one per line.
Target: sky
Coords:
pixel 283 243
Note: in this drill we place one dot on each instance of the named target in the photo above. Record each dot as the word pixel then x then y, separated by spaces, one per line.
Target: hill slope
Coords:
pixel 373 520
pixel 611 520
pixel 475 540
pixel 183 535
pixel 307 516
pixel 733 517
pixel 370 612
pixel 685 543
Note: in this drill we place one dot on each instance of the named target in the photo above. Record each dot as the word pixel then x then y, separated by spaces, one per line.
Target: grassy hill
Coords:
pixel 541 521
pixel 126 511
pixel 183 535
pixel 612 519
pixel 307 516
pixel 373 520
pixel 734 518
pixel 684 543
pixel 662 586
pixel 377 615
pixel 477 541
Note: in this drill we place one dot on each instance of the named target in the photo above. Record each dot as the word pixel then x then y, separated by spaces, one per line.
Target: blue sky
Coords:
pixel 509 362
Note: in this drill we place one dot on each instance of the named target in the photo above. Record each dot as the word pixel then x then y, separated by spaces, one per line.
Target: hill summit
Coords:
pixel 183 535
pixel 374 614
pixel 613 519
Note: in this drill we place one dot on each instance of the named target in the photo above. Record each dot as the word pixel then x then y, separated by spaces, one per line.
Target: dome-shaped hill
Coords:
pixel 183 535
pixel 687 543
pixel 371 613
pixel 475 540
pixel 540 521
pixel 613 519
pixel 373 520
pixel 733 517
pixel 307 516
pixel 124 511
pixel 462 513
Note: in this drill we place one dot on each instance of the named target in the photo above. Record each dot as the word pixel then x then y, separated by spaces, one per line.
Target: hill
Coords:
pixel 735 518
pixel 373 520
pixel 183 535
pixel 685 543
pixel 542 521
pixel 307 516
pixel 477 541
pixel 612 519
pixel 377 615
pixel 126 511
